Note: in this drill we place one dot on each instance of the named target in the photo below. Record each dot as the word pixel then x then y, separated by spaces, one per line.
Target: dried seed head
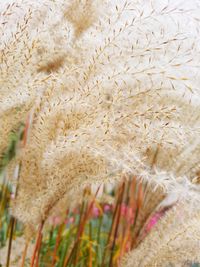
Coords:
pixel 121 98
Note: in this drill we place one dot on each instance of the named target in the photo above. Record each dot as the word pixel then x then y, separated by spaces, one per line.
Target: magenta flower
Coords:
pixel 154 219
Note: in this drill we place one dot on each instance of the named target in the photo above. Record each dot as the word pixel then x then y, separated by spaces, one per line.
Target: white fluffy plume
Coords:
pixel 113 87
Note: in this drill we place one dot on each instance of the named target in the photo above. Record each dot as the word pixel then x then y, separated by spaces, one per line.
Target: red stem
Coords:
pixel 24 254
pixel 37 244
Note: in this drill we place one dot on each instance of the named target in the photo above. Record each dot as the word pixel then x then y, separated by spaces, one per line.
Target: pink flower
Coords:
pixel 107 208
pixel 124 210
pixel 95 212
pixel 154 219
pixel 12 196
pixel 70 220
pixel 56 220
pixel 128 213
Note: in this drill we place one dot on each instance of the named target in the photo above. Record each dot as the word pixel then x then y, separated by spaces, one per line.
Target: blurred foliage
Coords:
pixel 10 152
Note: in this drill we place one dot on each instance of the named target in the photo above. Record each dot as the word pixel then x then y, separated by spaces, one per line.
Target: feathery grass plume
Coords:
pixel 174 240
pixel 107 96
pixel 82 15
